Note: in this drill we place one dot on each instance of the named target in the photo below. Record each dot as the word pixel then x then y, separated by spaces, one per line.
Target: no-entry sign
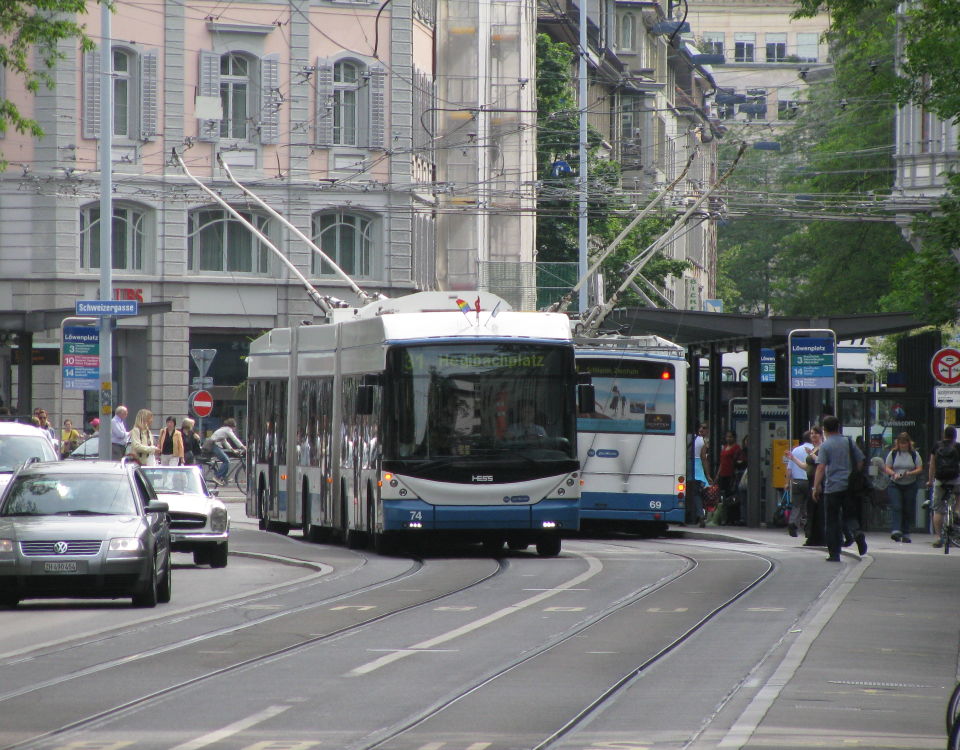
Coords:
pixel 945 366
pixel 201 402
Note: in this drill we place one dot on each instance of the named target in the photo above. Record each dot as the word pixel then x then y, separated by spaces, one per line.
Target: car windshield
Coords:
pixel 15 449
pixel 174 481
pixel 67 494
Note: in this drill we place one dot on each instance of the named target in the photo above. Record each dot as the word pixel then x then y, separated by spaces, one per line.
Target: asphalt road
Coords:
pixel 720 639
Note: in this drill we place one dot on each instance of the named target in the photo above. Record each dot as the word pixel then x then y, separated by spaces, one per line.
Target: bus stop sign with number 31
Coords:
pixel 945 366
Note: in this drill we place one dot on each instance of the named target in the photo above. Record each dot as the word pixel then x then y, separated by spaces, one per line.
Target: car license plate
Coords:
pixel 60 567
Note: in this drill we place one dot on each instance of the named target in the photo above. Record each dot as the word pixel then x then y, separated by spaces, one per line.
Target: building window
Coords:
pixel 743 45
pixel 122 89
pixel 628 30
pixel 347 239
pixel 135 93
pixel 713 43
pixel 776 47
pixel 128 237
pixel 346 80
pixel 787 103
pixel 808 47
pixel 234 96
pixel 218 242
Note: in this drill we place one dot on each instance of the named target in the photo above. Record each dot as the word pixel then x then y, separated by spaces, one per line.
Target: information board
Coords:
pixel 812 363
pixel 81 358
pixel 768 366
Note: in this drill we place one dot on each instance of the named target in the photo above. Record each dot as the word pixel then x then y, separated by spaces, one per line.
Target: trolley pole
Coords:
pixel 106 229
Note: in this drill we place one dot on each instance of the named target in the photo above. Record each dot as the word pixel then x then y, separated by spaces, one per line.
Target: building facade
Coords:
pixel 319 108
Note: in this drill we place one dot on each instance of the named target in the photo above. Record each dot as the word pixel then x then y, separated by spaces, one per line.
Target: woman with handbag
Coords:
pixel 170 445
pixel 903 465
pixel 142 448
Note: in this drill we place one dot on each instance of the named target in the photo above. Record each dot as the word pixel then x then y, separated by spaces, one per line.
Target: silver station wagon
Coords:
pixel 83 530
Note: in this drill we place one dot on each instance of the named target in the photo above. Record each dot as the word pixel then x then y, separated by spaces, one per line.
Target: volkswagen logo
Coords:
pixel 60 548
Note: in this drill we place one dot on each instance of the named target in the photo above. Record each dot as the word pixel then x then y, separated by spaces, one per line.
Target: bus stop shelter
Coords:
pixel 710 335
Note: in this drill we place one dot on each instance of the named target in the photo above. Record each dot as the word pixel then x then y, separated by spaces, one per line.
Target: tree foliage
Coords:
pixel 34 29
pixel 839 145
pixel 928 75
pixel 558 141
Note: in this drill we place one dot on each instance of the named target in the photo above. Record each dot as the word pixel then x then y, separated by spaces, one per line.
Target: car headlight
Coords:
pixel 125 547
pixel 7 546
pixel 218 520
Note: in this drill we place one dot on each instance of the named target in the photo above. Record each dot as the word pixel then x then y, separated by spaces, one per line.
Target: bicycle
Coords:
pixel 949 530
pixel 236 470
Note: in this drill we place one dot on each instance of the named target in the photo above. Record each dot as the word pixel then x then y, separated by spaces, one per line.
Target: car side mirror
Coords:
pixel 156 506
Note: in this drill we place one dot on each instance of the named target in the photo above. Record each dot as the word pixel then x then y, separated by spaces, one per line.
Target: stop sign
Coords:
pixel 202 403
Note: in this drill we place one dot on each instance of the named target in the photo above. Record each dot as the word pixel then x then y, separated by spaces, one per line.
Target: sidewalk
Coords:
pixel 881 659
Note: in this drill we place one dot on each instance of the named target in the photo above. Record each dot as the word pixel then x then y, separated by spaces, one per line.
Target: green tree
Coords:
pixel 34 29
pixel 836 154
pixel 558 145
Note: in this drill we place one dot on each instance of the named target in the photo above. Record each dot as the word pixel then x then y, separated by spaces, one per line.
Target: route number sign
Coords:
pixel 945 366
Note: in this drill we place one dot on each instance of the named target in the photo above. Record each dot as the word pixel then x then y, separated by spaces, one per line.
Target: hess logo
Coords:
pixel 481 478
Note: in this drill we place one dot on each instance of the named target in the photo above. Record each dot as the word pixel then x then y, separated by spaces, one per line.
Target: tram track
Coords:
pixel 357 620
pixel 385 740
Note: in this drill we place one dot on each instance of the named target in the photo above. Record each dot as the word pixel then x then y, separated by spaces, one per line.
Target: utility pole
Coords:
pixel 582 206
pixel 106 228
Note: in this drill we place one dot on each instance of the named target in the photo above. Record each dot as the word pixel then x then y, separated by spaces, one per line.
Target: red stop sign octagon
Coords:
pixel 202 403
pixel 945 366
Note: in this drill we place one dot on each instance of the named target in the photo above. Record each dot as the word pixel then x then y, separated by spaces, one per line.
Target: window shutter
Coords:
pixel 209 130
pixel 324 103
pixel 3 92
pixel 91 94
pixel 149 64
pixel 270 99
pixel 378 108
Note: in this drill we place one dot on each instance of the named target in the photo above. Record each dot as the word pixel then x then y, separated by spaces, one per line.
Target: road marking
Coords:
pixel 594 566
pixel 745 726
pixel 766 609
pixel 358 607
pixel 564 609
pixel 661 609
pixel 453 609
pixel 232 729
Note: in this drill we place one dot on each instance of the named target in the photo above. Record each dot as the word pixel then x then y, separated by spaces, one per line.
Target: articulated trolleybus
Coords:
pixel 633 445
pixel 426 413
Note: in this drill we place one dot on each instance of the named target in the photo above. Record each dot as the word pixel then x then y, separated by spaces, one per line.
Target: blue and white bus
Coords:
pixel 396 420
pixel 633 446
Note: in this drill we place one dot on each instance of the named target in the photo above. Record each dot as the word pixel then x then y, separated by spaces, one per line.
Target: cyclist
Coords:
pixel 944 473
pixel 221 441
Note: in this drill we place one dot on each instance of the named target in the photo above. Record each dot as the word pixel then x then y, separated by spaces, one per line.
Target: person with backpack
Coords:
pixel 903 465
pixel 944 473
pixel 837 459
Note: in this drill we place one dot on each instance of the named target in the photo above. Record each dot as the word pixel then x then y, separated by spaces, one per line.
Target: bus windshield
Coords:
pixel 632 396
pixel 451 401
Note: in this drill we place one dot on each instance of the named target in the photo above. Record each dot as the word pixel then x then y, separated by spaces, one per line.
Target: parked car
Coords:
pixel 83 530
pixel 20 443
pixel 199 521
pixel 88 450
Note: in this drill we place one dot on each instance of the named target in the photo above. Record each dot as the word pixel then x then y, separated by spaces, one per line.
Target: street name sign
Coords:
pixel 107 307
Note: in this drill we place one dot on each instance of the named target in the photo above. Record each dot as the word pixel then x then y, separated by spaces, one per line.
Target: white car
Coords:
pixel 18 444
pixel 199 521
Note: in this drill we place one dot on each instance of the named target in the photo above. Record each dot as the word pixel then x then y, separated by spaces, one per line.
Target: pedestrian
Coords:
pixel 191 442
pixel 119 436
pixel 944 473
pixel 815 515
pixel 700 476
pixel 170 444
pixel 44 424
pixel 796 461
pixel 142 446
pixel 94 427
pixel 730 457
pixel 69 438
pixel 837 458
pixel 903 465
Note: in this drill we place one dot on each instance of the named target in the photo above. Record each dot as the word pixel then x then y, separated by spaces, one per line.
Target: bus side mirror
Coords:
pixel 365 400
pixel 586 398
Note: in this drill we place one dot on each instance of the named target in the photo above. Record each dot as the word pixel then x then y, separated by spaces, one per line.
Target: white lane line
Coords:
pixel 594 566
pixel 232 729
pixel 744 727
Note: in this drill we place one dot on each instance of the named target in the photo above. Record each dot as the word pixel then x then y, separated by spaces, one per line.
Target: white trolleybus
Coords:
pixel 424 414
pixel 633 445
